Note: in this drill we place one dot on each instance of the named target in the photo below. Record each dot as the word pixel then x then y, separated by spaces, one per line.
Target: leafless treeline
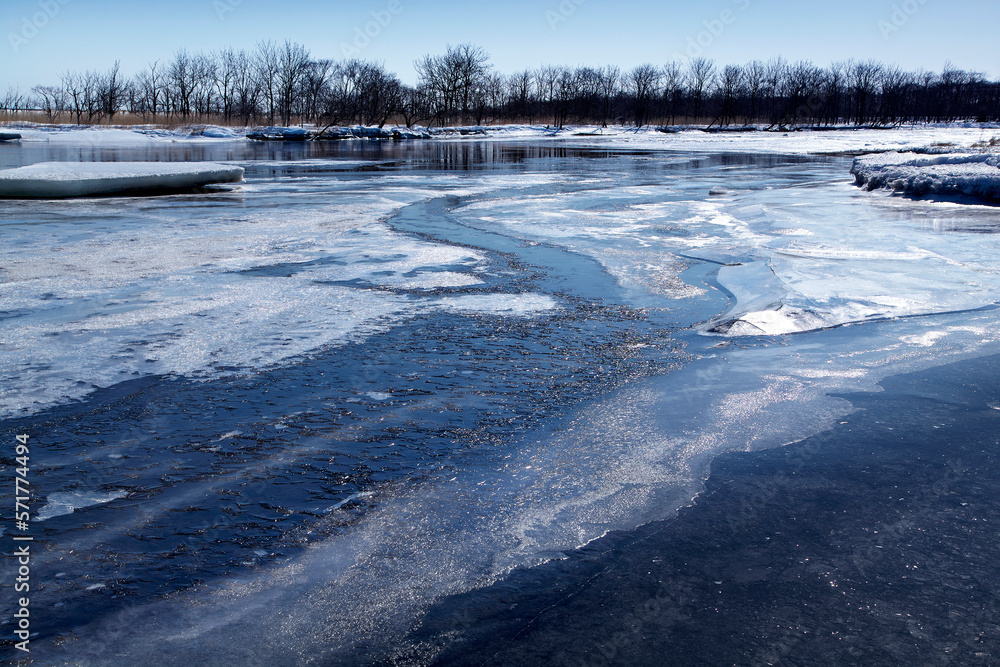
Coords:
pixel 283 83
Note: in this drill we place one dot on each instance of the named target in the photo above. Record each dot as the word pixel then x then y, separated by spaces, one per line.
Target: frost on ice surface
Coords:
pixel 969 174
pixel 79 179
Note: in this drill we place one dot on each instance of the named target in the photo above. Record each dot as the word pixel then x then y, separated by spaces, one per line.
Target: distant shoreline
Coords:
pixel 309 131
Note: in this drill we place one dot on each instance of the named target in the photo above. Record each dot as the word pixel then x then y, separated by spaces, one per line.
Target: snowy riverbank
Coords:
pixel 959 173
pixel 808 141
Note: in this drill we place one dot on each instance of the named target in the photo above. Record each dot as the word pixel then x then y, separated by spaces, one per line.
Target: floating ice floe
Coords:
pixel 969 174
pixel 66 503
pixel 79 179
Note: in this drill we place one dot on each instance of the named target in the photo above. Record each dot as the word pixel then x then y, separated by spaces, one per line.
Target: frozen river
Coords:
pixel 380 400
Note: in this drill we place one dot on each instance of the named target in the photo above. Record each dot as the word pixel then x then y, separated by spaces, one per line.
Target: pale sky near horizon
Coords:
pixel 43 38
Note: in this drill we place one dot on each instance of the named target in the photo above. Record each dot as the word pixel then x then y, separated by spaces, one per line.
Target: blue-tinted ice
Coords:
pixel 371 377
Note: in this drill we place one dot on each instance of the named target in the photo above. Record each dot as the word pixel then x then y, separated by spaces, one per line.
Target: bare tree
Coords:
pixel 267 64
pixel 473 65
pixel 315 87
pixel 588 95
pixel 292 65
pixel 730 90
pixel 414 106
pixel 224 81
pixel 494 96
pixel 92 102
pixel 801 85
pixel 610 87
pixel 955 84
pixel 775 72
pixel 755 78
pixel 149 89
pixel 12 101
pixel 183 78
pixel 895 86
pixel 547 83
pixel 454 79
pixel 864 79
pixel 111 91
pixel 519 93
pixel 439 85
pixel 644 85
pixel 72 83
pixel 246 87
pixel 701 76
pixel 344 95
pixel 673 88
pixel 380 94
pixel 460 85
pixel 205 75
pixel 51 100
pixel 836 80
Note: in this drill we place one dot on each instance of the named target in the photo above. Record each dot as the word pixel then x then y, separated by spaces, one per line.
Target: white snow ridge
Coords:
pixel 79 179
pixel 970 174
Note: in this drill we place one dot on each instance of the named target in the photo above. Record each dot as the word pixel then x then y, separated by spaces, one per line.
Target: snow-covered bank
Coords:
pixel 969 174
pixel 806 141
pixel 83 135
pixel 796 142
pixel 50 180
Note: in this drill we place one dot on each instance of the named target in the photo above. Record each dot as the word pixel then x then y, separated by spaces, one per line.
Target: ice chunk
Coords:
pixel 68 502
pixel 78 179
pixel 970 174
pixel 216 132
pixel 279 134
pixel 8 136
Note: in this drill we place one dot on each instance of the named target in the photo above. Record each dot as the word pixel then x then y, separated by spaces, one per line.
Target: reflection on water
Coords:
pixel 418 154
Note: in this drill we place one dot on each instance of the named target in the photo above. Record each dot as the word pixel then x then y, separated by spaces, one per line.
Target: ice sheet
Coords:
pixel 281 268
pixel 802 253
pixel 636 455
pixel 48 180
pixel 107 290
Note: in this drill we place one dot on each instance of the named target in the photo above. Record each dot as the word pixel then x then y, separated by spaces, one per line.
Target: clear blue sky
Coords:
pixel 42 38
